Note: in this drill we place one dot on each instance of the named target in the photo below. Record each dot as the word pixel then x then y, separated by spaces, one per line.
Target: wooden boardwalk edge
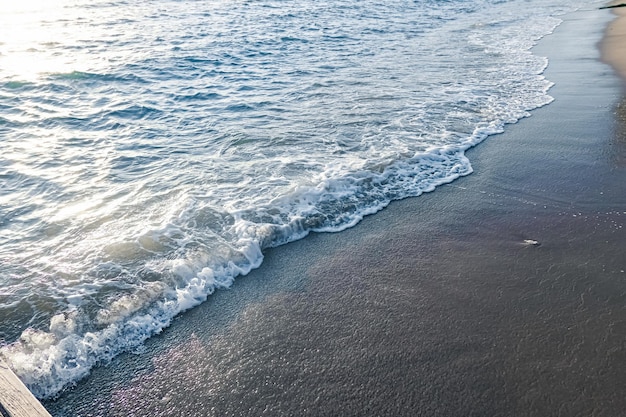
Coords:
pixel 15 399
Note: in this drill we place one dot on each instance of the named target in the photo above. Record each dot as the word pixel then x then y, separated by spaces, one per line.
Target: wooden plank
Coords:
pixel 15 399
pixel 613 6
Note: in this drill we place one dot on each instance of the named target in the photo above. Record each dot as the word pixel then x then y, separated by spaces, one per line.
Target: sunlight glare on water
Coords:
pixel 27 33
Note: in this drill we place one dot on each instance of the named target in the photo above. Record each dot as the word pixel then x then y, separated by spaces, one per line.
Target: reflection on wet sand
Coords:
pixel 619 137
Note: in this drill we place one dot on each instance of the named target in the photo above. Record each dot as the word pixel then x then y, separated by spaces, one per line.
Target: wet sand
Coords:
pixel 501 294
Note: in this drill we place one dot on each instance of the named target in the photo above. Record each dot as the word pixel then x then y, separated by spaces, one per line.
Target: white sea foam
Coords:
pixel 48 361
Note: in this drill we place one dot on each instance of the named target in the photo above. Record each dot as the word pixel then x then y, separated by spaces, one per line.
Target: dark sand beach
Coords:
pixel 500 294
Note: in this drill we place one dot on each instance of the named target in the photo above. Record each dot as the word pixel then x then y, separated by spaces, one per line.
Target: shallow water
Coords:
pixel 152 150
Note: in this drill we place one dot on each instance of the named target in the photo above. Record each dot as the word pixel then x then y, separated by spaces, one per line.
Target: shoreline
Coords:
pixel 436 305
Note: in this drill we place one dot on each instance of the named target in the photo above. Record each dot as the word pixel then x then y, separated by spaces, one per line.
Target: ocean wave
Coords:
pixel 51 360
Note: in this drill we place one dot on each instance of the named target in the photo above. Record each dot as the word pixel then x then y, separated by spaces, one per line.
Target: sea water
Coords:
pixel 151 150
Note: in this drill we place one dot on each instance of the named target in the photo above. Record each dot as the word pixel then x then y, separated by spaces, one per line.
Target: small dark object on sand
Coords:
pixel 614 6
